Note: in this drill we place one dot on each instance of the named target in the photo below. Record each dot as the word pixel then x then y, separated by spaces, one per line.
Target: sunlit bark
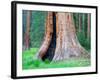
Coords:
pixel 67 43
pixel 48 36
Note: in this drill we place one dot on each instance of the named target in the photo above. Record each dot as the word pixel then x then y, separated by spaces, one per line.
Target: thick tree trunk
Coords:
pixel 48 36
pixel 67 43
pixel 51 49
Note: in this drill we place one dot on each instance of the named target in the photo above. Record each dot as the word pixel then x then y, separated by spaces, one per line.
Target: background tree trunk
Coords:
pixel 79 22
pixel 27 29
pixel 67 43
pixel 83 23
pixel 48 36
pixel 88 24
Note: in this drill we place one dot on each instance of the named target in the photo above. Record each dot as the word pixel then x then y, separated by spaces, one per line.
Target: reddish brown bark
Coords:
pixel 48 36
pixel 67 43
pixel 27 29
pixel 88 28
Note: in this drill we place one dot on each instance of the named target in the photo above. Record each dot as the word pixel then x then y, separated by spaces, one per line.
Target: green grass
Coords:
pixel 29 62
pixel 27 57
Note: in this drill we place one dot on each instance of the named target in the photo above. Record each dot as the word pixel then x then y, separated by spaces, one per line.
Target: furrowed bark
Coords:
pixel 48 36
pixel 67 42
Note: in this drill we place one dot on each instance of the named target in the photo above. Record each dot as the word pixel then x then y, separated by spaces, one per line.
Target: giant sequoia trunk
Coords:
pixel 48 36
pixel 51 48
pixel 67 44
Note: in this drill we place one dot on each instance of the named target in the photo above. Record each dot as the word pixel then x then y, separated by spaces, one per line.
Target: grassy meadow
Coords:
pixel 29 61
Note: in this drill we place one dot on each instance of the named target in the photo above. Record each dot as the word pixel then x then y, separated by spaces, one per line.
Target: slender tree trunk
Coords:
pixel 83 23
pixel 48 36
pixel 79 23
pixel 27 29
pixel 67 43
pixel 88 28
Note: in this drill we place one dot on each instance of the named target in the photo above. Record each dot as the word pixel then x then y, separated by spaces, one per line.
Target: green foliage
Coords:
pixel 85 42
pixel 82 32
pixel 37 28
